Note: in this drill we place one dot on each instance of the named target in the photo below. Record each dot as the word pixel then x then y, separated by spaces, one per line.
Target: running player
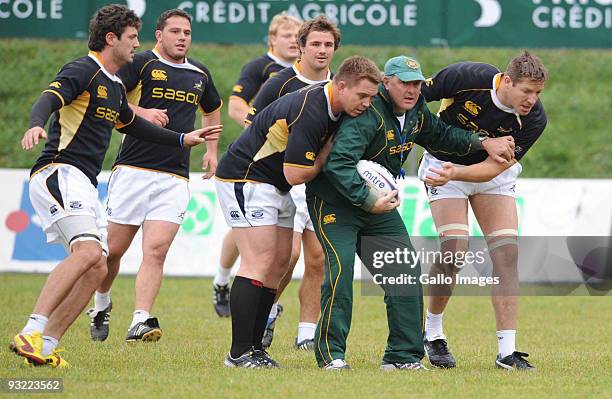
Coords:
pixel 282 53
pixel 283 146
pixel 87 100
pixel 479 97
pixel 149 184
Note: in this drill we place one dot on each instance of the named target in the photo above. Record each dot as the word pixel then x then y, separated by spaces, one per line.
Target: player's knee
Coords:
pixel 100 269
pixel 89 253
pixel 156 254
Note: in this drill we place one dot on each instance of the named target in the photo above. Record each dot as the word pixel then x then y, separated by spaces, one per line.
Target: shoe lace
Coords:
pixel 440 346
pixel 519 359
pixel 263 357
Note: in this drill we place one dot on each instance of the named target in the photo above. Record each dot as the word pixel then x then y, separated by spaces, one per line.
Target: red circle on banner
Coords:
pixel 17 221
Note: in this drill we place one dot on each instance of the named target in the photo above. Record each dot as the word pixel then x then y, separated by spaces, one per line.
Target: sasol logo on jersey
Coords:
pixel 102 92
pixel 397 149
pixel 106 113
pixel 159 74
pixel 331 218
pixel 175 95
pixel 472 107
pixel 310 155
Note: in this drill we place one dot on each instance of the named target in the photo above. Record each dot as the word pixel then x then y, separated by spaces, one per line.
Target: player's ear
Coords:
pixel 158 35
pixel 110 38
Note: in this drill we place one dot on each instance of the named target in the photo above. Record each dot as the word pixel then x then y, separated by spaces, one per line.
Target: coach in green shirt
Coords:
pixel 351 218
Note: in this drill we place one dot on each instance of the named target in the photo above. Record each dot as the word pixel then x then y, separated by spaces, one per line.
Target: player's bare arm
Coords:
pixel 501 149
pixel 157 117
pixel 209 159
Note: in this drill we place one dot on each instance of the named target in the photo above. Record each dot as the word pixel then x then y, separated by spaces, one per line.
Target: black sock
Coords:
pixel 245 297
pixel 265 305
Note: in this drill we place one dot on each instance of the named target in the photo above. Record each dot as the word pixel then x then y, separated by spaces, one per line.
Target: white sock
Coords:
pixel 140 316
pixel 222 276
pixel 49 344
pixel 433 326
pixel 506 342
pixel 36 322
pixel 101 300
pixel 273 311
pixel 306 331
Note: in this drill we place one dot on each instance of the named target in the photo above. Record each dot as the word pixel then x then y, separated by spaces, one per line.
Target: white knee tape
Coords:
pixel 504 241
pixel 452 226
pixel 496 233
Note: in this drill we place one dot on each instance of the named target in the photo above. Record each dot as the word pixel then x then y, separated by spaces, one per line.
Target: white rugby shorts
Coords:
pixel 247 204
pixel 302 218
pixel 136 195
pixel 67 205
pixel 502 184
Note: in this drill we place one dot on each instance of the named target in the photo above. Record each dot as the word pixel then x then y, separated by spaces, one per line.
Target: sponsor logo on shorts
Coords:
pixel 159 74
pixel 234 215
pixel 102 92
pixel 331 218
pixel 513 188
pixel 109 211
pixel 53 209
pixel 181 215
pixel 310 155
pixel 75 205
pixel 257 214
pixel 433 191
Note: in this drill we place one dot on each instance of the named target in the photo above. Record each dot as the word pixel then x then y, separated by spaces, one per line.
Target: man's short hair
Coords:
pixel 279 20
pixel 112 18
pixel 319 24
pixel 175 12
pixel 526 67
pixel 354 69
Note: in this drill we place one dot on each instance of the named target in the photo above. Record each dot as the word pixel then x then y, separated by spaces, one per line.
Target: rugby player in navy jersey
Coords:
pixel 479 97
pixel 286 144
pixel 87 101
pixel 149 184
pixel 282 53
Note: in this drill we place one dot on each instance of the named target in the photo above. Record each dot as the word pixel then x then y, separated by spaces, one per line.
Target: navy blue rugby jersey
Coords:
pixel 153 82
pixel 286 81
pixel 467 91
pixel 254 74
pixel 290 131
pixel 93 103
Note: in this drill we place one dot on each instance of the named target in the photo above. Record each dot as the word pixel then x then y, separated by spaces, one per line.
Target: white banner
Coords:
pixel 547 207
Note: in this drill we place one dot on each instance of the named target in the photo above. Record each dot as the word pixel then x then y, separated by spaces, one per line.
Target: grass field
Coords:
pixel 568 339
pixel 578 99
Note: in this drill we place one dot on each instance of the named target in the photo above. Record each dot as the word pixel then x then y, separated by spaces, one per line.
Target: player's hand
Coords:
pixel 500 149
pixel 324 153
pixel 386 203
pixel 199 136
pixel 156 116
pixel 32 136
pixel 441 176
pixel 209 161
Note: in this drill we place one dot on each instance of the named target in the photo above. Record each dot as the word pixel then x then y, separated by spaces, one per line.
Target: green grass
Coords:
pixel 578 98
pixel 568 339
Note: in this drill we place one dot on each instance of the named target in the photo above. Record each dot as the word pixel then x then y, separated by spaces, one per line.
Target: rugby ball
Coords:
pixel 376 176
